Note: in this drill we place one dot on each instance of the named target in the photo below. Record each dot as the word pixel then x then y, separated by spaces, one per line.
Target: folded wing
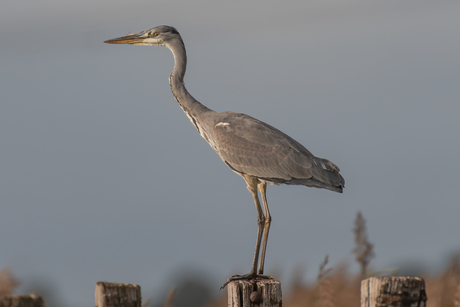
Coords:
pixel 255 148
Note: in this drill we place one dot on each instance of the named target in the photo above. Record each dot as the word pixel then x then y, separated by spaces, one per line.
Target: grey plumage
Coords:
pixel 258 152
pixel 253 147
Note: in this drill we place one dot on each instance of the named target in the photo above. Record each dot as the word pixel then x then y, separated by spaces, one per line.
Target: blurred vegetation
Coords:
pixel 7 282
pixel 334 287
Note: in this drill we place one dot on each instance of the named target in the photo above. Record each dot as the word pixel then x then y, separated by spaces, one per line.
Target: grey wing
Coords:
pixel 255 148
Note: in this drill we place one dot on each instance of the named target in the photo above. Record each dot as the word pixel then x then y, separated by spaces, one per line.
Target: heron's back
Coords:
pixel 252 147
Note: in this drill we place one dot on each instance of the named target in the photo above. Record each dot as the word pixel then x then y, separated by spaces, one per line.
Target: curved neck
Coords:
pixel 192 108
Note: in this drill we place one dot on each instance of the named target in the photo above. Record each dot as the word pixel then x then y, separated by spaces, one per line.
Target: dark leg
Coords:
pixel 261 225
pixel 267 221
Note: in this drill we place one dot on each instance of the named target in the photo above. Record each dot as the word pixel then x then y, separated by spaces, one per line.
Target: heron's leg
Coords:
pixel 252 187
pixel 263 192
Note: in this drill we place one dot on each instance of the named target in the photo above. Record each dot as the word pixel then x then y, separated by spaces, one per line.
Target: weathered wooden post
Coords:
pixel 31 300
pixel 255 292
pixel 109 294
pixel 395 291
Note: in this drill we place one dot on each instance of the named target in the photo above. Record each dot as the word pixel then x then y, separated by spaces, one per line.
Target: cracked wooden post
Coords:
pixel 392 291
pixel 31 300
pixel 254 293
pixel 109 294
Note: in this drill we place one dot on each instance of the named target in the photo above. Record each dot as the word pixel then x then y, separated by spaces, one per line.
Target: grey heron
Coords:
pixel 254 150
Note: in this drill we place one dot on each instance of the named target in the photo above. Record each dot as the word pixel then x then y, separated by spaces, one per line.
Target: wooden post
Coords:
pixel 110 294
pixel 255 292
pixel 393 291
pixel 31 300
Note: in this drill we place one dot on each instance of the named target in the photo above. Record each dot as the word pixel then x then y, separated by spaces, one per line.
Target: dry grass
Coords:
pixel 7 282
pixel 444 291
pixel 337 287
pixel 364 250
pixel 334 287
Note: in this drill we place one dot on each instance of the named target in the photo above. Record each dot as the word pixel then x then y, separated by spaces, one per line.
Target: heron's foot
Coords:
pixel 249 276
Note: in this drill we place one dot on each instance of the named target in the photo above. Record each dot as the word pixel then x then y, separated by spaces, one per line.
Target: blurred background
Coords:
pixel 102 176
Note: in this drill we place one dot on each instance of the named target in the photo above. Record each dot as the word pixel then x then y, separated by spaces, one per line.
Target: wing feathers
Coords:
pixel 252 147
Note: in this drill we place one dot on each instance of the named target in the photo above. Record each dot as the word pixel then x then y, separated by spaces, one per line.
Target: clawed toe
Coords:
pixel 249 276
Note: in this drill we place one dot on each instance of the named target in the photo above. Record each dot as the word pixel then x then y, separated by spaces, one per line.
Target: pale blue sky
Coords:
pixel 102 176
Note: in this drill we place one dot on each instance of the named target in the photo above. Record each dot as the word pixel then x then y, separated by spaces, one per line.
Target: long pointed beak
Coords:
pixel 131 39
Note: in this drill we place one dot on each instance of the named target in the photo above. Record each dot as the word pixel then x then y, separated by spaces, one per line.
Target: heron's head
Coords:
pixel 158 36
